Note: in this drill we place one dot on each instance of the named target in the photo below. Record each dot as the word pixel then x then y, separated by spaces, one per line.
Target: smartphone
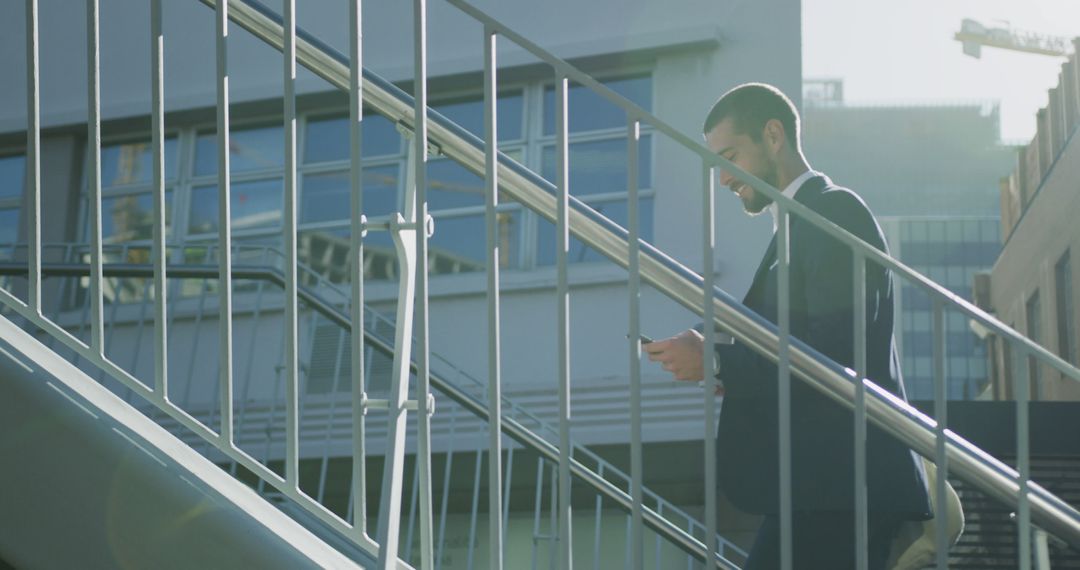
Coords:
pixel 644 339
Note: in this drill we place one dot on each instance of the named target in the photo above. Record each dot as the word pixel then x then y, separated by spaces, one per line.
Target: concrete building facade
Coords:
pixel 1033 283
pixel 674 65
pixel 672 59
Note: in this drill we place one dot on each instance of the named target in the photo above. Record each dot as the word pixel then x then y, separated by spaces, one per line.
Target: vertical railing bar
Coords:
pixel 538 500
pixel 84 318
pixel 304 357
pixel 475 506
pixel 423 371
pixel 33 156
pixel 553 519
pixel 862 560
pixel 656 540
pixel 64 291
pixel 311 321
pixel 349 510
pixel 596 531
pixel 69 286
pixel 157 126
pixel 1023 460
pixel 194 345
pixel 784 387
pixel 7 281
pixel 563 293
pixel 93 141
pixel 446 489
pixel 292 364
pixel 138 333
pixel 100 376
pixel 491 201
pixel 110 330
pixel 1041 549
pixel 407 548
pixel 256 316
pixel 334 391
pixel 356 242
pixel 637 540
pixel 210 417
pixel 708 225
pixel 506 489
pixel 224 229
pixel 271 416
pixel 940 416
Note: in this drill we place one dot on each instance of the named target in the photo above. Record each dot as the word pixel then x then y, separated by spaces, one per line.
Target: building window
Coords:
pixel 256 186
pixel 127 213
pixel 1066 319
pixel 127 192
pixel 597 154
pixel 950 251
pixel 1034 323
pixel 455 196
pixel 12 182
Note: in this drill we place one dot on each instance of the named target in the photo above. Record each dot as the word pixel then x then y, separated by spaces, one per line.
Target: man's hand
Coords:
pixel 680 355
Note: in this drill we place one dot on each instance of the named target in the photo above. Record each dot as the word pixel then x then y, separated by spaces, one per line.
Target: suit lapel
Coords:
pixel 813 186
pixel 762 271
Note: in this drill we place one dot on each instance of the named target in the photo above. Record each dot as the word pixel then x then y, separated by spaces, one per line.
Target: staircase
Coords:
pixel 428 407
pixel 84 455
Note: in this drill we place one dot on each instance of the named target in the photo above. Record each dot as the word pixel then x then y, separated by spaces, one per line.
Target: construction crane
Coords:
pixel 974 35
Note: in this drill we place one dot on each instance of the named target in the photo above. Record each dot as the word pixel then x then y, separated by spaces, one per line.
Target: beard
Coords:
pixel 756 202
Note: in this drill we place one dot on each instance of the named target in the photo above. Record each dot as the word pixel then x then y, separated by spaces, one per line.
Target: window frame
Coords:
pixel 135 189
pixel 16 202
pixel 528 149
pixel 1065 308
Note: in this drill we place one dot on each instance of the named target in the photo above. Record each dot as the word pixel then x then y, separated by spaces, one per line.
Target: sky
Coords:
pixel 903 52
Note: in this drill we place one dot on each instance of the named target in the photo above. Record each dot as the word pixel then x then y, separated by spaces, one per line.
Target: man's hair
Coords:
pixel 751 105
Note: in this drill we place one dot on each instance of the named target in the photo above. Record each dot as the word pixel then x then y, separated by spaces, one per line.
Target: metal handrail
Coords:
pixel 635 112
pixel 684 286
pixel 323 285
pixel 511 427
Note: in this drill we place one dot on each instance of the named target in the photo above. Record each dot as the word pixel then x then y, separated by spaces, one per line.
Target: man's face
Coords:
pixel 726 140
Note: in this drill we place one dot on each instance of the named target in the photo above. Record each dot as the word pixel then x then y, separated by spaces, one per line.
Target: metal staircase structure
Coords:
pixel 414 365
pixel 459 393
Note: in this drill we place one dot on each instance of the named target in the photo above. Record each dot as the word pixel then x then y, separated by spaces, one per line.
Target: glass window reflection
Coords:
pixel 326 197
pixel 252 205
pixel 133 163
pixel 459 244
pixel 328 139
pixel 451 186
pixel 590 112
pixel 131 217
pixel 598 174
pixel 9 226
pixel 252 149
pixel 615 210
pixel 470 115
pixel 12 176
pixel 598 167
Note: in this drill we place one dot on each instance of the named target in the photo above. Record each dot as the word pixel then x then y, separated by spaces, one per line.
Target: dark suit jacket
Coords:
pixel 821 302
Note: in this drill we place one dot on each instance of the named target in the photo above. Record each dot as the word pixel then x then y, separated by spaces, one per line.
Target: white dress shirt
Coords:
pixel 789 191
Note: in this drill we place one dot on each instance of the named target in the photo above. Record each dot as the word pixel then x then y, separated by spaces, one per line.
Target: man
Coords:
pixel 756 127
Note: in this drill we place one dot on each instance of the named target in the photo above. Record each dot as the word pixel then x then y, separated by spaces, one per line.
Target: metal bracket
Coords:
pixel 384 404
pixel 396 224
pixel 407 131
